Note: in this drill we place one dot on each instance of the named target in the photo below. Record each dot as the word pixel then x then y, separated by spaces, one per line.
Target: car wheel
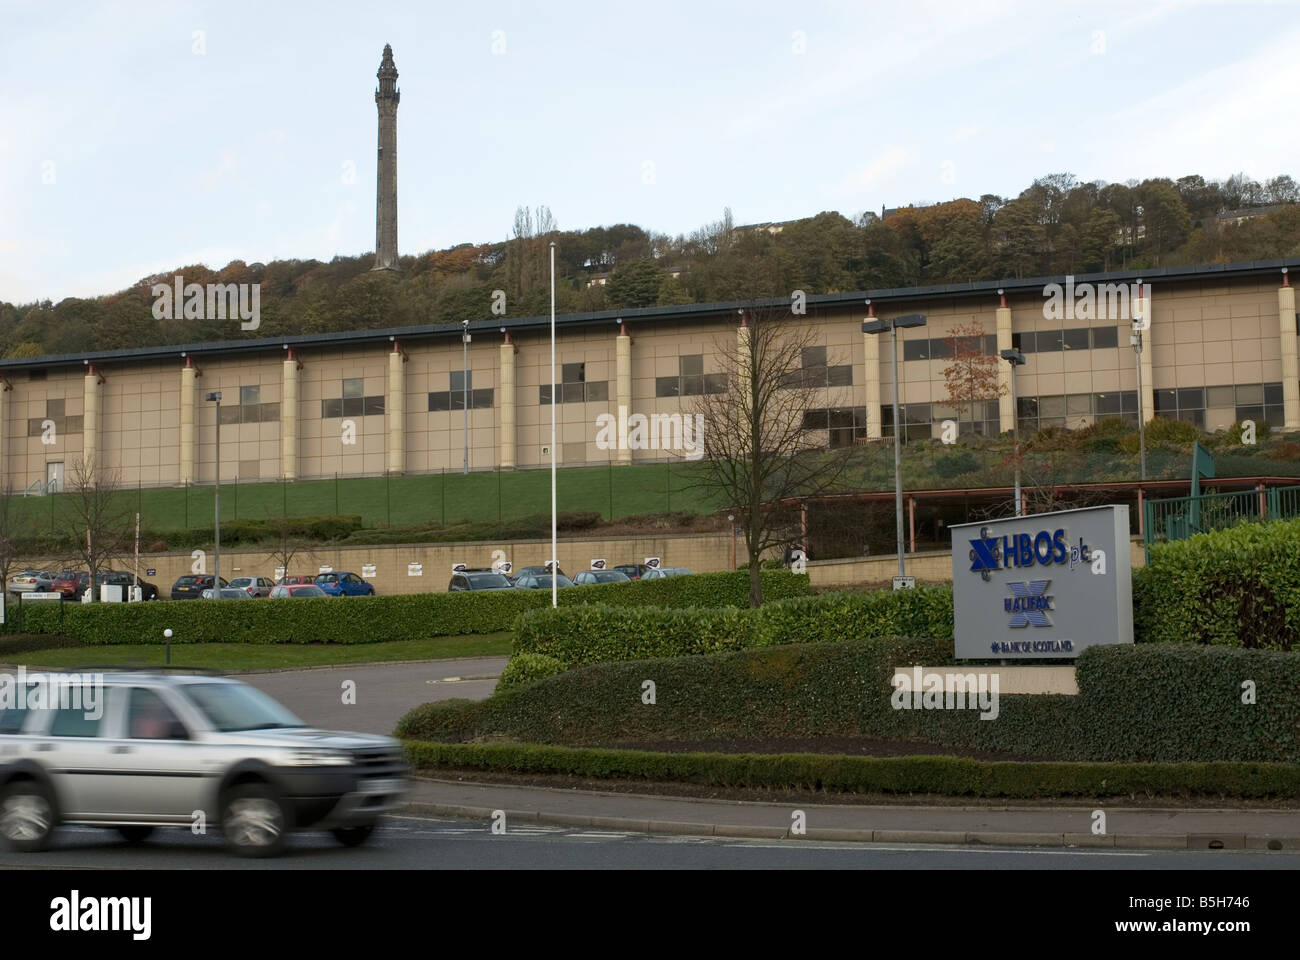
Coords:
pixel 254 821
pixel 27 816
pixel 136 834
pixel 353 836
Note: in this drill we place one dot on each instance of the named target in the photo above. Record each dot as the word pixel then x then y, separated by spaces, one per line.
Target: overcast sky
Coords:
pixel 140 136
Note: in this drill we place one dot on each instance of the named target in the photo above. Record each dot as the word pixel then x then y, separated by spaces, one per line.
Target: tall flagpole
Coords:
pixel 555 566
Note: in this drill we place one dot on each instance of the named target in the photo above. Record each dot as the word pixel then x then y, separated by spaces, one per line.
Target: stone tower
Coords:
pixel 386 98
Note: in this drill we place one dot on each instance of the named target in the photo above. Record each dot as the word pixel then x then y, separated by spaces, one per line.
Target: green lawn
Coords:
pixel 403 501
pixel 265 656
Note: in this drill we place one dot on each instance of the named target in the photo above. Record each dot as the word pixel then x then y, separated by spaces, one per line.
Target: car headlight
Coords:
pixel 318 758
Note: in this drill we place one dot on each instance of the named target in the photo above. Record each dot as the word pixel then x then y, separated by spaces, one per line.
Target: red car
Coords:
pixel 289 581
pixel 71 583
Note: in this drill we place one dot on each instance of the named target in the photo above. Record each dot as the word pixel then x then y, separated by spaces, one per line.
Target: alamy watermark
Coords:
pixel 683 433
pixel 53 691
pixel 918 690
pixel 213 301
pixel 1095 301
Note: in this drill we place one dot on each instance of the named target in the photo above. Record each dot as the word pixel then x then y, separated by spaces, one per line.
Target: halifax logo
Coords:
pixel 1028 604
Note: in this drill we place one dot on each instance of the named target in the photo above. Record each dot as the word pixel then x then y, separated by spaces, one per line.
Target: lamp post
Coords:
pixel 1140 323
pixel 555 565
pixel 880 326
pixel 464 384
pixel 1016 359
pixel 215 397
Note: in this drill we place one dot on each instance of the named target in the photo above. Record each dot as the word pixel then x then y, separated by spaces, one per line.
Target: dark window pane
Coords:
pixel 457 399
pixel 598 391
pixel 1027 407
pixel 917 413
pixel 917 431
pixel 667 386
pixel 1196 417
pixel 1128 401
pixel 1105 404
pixel 991 344
pixel 841 418
pixel 1249 394
pixel 1166 401
pixel 251 413
pixel 372 406
pixel 329 409
pixel 354 387
pixel 940 349
pixel 54 409
pixel 1075 338
pixel 841 376
pixel 544 394
pixel 229 414
pixel 34 428
pixel 916 349
pixel 1104 338
pixel 573 373
pixel 1272 393
pixel 439 401
pixel 692 365
pixel 1219 397
pixel 1191 398
pixel 692 386
pixel 1275 415
pixel 814 356
pixel 462 380
pixel 815 419
pixel 482 399
pixel 572 392
pixel 249 395
pixel 715 383
pixel 1047 340
pixel 1250 413
pixel 270 412
pixel 353 406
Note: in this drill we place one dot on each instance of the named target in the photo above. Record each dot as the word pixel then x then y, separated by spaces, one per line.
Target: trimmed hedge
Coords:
pixel 361 619
pixel 527 667
pixel 1156 703
pixel 950 776
pixel 601 634
pixel 1239 587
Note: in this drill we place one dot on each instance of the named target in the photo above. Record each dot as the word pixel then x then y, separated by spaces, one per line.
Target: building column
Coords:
pixel 1006 402
pixel 90 425
pixel 743 363
pixel 289 417
pixel 1142 309
pixel 507 389
pixel 623 385
pixel 1290 363
pixel 396 407
pixel 5 389
pixel 188 373
pixel 871 353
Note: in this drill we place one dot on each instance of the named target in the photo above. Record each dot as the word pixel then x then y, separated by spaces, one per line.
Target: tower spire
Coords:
pixel 387 96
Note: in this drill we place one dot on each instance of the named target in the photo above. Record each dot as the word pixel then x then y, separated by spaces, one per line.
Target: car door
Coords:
pixel 155 770
pixel 71 746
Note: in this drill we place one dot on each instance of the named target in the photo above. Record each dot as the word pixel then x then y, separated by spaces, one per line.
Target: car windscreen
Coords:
pixel 482 581
pixel 235 706
pixel 309 591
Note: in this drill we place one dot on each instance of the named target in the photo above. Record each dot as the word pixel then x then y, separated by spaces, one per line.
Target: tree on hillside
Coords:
pixel 757 450
pixel 972 376
pixel 96 521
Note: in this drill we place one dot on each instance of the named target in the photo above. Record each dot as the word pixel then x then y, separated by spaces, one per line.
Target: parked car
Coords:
pixel 191 586
pixel 478 579
pixel 344 584
pixel 254 586
pixel 31 581
pixel 125 580
pixel 541 571
pixel 586 578
pixel 304 578
pixel 225 593
pixel 662 572
pixel 535 582
pixel 71 583
pixel 259 770
pixel 291 591
pixel 634 571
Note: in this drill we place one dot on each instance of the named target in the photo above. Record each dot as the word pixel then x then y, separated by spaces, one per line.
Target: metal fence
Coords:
pixel 1177 518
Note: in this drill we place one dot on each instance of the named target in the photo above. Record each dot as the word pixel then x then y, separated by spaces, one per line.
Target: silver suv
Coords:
pixel 136 751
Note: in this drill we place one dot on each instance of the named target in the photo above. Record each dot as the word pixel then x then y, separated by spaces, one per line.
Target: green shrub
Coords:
pixel 1238 586
pixel 950 776
pixel 1157 703
pixel 233 532
pixel 527 667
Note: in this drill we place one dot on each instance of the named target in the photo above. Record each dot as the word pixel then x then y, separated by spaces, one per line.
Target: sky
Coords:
pixel 140 136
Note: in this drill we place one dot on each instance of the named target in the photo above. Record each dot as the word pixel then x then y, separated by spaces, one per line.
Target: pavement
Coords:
pixel 1061 826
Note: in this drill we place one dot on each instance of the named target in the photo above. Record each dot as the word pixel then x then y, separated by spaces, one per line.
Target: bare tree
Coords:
pixel 97 522
pixel 758 451
pixel 286 544
pixel 15 527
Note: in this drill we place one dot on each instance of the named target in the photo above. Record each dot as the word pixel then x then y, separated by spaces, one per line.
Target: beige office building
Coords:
pixel 1220 346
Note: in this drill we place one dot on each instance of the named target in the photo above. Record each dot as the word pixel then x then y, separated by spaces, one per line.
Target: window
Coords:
pixel 1024 342
pixel 846 425
pixel 1075 339
pixel 352 403
pixel 250 408
pixel 55 412
pixel 1046 341
pixel 573 386
pixel 54 409
pixel 1104 338
pixel 1261 402
pixel 73 721
pixel 691 380
pixel 460 382
pixel 150 718
pixel 814 372
pixel 1219 397
pixel 918 349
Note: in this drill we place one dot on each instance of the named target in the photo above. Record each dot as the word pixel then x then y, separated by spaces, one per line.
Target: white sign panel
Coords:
pixel 652 562
pixel 415 569
pixel 598 564
pixel 367 570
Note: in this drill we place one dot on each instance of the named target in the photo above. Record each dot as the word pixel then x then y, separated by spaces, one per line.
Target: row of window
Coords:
pixel 1031 341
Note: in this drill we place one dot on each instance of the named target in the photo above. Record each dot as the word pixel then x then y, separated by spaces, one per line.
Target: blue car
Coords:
pixel 344 585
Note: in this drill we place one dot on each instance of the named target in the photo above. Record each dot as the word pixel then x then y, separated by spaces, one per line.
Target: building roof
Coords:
pixel 883 299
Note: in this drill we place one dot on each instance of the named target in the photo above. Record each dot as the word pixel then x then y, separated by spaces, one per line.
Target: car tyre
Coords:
pixel 254 821
pixel 136 833
pixel 27 816
pixel 353 836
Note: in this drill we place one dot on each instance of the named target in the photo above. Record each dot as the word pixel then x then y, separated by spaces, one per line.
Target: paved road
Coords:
pixel 407 843
pixel 383 691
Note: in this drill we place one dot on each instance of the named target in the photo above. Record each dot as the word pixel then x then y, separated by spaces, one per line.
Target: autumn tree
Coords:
pixel 972 376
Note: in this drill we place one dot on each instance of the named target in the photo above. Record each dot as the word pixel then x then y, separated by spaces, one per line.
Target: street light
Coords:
pixel 1016 359
pixel 464 383
pixel 1139 324
pixel 555 565
pixel 215 397
pixel 880 326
